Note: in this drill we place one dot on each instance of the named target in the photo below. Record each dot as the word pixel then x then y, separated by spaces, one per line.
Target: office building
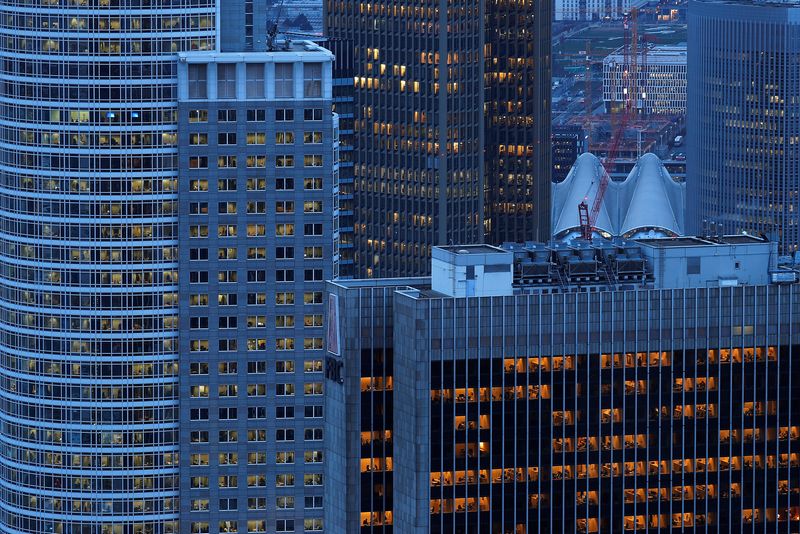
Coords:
pixel 743 142
pixel 567 145
pixel 88 262
pixel 258 179
pixel 660 79
pixel 518 168
pixel 612 386
pixel 419 131
pixel 594 9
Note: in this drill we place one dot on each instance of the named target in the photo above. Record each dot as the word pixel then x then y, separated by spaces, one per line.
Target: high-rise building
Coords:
pixel 516 137
pixel 258 181
pixel 450 107
pixel 618 386
pixel 88 262
pixel 743 157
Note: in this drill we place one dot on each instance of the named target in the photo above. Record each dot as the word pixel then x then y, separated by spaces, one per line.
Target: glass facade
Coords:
pixel 88 262
pixel 743 161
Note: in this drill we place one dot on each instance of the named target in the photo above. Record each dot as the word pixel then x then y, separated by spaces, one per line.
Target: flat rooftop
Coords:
pixel 672 242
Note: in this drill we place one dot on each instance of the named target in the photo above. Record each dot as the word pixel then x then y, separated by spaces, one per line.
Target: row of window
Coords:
pixel 253 390
pixel 310 411
pixel 256 526
pixel 252 138
pixel 252 184
pixel 255 162
pixel 252 115
pixel 256 435
pixel 254 76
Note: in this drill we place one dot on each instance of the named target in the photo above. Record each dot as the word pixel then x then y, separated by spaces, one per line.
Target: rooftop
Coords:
pixel 473 249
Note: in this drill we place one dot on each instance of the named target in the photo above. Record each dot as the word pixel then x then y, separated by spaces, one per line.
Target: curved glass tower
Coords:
pixel 88 256
pixel 743 110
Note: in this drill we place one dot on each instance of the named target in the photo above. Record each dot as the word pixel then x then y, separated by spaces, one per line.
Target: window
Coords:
pixel 228 481
pixel 256 138
pixel 284 253
pixel 257 503
pixel 312 503
pixel 228 505
pixel 198 414
pixel 257 275
pixel 226 80
pixel 312 275
pixel 257 367
pixel 286 160
pixel 255 80
pixel 256 115
pixel 228 436
pixel 284 80
pixel 312 297
pixel 312 114
pixel 284 275
pixel 284 138
pixel 256 206
pixel 226 138
pixel 228 368
pixel 198 115
pixel 284 206
pixel 198 208
pixel 227 414
pixel 198 323
pixel 312 479
pixel 226 162
pixel 284 525
pixel 284 229
pixel 198 81
pixel 199 436
pixel 256 184
pixel 284 480
pixel 198 162
pixel 312 434
pixel 312 184
pixel 227 321
pixel 312 229
pixel 312 388
pixel 226 208
pixel 284 115
pixel 198 368
pixel 227 277
pixel 312 80
pixel 226 184
pixel 284 390
pixel 312 412
pixel 257 412
pixel 312 253
pixel 284 412
pixel 199 277
pixel 312 206
pixel 284 503
pixel 312 366
pixel 199 254
pixel 312 160
pixel 284 184
pixel 198 139
pixel 284 366
pixel 284 434
pixel 314 138
pixel 226 115
pixel 284 298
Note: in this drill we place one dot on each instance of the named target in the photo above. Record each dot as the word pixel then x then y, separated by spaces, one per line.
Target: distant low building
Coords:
pixel 593 9
pixel 660 79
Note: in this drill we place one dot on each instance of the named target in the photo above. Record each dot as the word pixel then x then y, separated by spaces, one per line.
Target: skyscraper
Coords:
pixel 743 161
pixel 450 125
pixel 646 385
pixel 516 136
pixel 88 262
pixel 258 160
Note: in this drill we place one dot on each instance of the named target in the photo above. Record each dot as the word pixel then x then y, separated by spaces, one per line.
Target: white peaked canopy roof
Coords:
pixel 656 200
pixel 648 199
pixel 580 185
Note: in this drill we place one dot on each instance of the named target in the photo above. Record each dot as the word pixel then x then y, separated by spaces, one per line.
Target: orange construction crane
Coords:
pixel 586 218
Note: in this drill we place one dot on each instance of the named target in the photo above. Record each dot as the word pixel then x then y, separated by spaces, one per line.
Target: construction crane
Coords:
pixel 587 219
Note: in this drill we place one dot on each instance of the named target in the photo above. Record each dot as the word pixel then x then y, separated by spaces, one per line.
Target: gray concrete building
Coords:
pixel 617 386
pixel 258 162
